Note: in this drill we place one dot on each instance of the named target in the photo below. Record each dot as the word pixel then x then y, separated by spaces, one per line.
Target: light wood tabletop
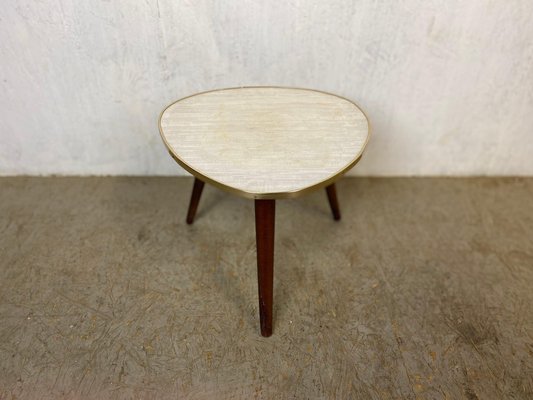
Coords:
pixel 265 142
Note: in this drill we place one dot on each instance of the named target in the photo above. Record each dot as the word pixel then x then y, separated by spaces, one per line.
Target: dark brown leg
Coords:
pixel 332 197
pixel 265 212
pixel 195 199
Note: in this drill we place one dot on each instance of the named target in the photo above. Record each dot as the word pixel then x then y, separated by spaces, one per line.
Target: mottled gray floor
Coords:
pixel 423 290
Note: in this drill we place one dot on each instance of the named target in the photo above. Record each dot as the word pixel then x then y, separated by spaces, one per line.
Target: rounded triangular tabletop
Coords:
pixel 265 142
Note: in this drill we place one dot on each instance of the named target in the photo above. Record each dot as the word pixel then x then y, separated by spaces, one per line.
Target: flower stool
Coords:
pixel 265 143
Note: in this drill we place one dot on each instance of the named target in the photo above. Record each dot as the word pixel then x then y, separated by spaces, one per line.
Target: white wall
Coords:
pixel 448 85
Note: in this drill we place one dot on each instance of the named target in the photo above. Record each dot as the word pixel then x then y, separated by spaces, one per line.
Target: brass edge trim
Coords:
pixel 250 195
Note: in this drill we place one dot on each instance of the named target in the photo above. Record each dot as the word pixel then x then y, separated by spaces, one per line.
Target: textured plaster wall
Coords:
pixel 448 85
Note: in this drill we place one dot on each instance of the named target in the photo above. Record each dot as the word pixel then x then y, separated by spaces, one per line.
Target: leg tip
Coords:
pixel 266 326
pixel 266 333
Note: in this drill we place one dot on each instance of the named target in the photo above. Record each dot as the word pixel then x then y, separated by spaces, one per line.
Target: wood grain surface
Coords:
pixel 265 142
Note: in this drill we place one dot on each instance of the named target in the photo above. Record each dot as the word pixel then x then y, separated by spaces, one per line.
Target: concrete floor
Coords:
pixel 423 290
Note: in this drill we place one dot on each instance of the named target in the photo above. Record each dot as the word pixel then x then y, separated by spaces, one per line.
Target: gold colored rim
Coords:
pixel 250 195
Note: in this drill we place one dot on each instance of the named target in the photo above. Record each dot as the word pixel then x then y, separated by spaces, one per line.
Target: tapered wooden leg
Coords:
pixel 265 213
pixel 332 197
pixel 195 199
